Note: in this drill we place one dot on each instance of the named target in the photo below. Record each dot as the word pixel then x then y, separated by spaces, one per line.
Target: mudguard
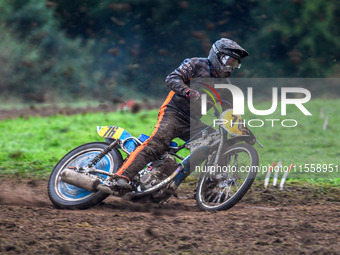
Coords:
pixel 113 132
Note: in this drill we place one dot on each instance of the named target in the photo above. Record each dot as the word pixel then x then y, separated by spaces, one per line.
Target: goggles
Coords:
pixel 228 61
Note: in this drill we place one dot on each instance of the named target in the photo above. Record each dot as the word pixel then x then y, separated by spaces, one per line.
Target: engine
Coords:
pixel 156 171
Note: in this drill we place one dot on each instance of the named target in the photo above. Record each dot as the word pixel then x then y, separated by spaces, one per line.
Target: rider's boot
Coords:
pixel 121 184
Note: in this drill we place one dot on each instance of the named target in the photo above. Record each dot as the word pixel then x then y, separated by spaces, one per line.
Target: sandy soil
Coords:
pixel 294 221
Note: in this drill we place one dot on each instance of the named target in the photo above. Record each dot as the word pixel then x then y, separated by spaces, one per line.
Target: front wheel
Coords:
pixel 224 185
pixel 67 196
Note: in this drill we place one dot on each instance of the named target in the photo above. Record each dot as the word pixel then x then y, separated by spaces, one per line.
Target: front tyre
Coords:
pixel 222 188
pixel 67 196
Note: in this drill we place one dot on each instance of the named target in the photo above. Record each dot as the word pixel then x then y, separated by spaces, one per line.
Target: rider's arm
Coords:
pixel 181 75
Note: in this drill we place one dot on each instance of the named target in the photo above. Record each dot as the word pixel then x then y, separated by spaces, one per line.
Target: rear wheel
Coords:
pixel 223 186
pixel 67 196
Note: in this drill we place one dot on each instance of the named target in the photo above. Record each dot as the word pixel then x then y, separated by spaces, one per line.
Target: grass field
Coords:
pixel 33 146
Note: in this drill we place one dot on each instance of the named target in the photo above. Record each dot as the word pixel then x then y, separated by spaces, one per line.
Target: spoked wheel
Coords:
pixel 67 196
pixel 223 186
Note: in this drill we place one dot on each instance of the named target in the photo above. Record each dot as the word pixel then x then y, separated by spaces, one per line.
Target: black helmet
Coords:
pixel 225 55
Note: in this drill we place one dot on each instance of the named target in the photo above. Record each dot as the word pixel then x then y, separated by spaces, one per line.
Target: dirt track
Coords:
pixel 295 221
pixel 48 110
pixel 264 222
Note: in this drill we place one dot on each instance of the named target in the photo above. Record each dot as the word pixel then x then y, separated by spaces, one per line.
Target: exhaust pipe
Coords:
pixel 80 180
pixel 84 181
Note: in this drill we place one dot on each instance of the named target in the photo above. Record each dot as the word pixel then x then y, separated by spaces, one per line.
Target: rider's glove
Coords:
pixel 194 94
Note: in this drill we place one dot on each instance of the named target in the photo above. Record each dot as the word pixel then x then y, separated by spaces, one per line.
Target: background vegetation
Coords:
pixel 31 147
pixel 98 51
pixel 104 49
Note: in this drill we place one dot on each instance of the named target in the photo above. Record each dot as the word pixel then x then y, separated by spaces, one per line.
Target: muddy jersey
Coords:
pixel 178 81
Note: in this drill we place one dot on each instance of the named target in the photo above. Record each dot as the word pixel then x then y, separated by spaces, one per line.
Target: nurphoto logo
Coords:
pixel 239 101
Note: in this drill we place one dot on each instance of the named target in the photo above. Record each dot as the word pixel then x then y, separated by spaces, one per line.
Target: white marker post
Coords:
pixel 266 180
pixel 276 173
pixel 325 123
pixel 284 177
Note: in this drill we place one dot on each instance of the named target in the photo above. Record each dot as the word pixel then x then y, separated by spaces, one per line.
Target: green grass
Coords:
pixel 31 147
pixel 305 144
pixel 34 145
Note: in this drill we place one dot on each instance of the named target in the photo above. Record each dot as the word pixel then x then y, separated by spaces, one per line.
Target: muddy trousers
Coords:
pixel 170 124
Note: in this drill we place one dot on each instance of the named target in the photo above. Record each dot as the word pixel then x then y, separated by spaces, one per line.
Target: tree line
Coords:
pixel 112 49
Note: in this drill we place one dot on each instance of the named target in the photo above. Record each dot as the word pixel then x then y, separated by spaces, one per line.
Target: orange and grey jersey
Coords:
pixel 179 80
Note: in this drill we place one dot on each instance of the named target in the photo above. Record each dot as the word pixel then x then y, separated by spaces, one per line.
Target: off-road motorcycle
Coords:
pixel 225 158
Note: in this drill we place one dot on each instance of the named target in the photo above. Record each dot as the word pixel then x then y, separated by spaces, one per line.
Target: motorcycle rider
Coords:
pixel 174 115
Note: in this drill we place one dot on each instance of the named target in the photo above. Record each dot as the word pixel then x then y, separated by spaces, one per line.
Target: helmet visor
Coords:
pixel 230 61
